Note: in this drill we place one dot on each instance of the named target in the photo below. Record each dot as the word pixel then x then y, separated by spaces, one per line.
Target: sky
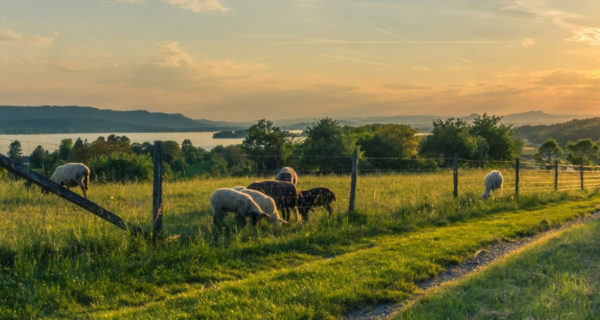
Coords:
pixel 242 60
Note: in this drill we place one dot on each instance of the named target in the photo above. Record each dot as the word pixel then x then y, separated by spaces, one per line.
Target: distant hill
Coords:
pixel 563 132
pixel 54 119
pixel 76 119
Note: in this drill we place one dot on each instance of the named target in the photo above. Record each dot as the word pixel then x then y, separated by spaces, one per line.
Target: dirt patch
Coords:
pixel 480 259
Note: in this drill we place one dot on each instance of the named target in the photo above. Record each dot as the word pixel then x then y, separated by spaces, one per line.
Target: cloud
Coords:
pixel 541 9
pixel 10 36
pixel 173 68
pixel 569 78
pixel 350 59
pixel 527 42
pixel 199 5
pixel 68 66
pixel 389 33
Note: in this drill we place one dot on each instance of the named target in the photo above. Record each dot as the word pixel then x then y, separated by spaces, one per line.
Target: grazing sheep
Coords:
pixel 228 200
pixel 287 174
pixel 266 203
pixel 316 197
pixel 285 194
pixel 72 175
pixel 493 181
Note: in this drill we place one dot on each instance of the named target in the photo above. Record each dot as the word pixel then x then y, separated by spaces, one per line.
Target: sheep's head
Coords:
pixel 275 220
pixel 257 215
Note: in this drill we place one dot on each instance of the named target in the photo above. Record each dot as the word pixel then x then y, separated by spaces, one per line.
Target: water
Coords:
pixel 51 141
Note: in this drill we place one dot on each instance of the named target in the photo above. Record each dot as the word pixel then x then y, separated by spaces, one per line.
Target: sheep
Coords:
pixel 71 175
pixel 266 203
pixel 316 197
pixel 285 194
pixel 228 200
pixel 493 181
pixel 287 174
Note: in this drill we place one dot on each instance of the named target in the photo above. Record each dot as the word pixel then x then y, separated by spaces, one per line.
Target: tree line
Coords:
pixel 325 147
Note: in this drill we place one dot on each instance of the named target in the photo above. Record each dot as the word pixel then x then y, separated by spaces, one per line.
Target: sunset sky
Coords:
pixel 242 60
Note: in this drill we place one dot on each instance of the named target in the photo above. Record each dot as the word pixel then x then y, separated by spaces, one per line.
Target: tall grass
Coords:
pixel 59 260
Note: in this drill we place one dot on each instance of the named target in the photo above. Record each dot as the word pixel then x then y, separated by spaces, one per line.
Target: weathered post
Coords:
pixel 157 213
pixel 353 181
pixel 517 163
pixel 455 174
pixel 581 174
pixel 555 175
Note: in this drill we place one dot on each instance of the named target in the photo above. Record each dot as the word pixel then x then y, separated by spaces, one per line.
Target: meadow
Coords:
pixel 59 261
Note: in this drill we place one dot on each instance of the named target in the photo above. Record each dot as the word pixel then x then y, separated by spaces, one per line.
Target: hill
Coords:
pixel 55 119
pixel 563 132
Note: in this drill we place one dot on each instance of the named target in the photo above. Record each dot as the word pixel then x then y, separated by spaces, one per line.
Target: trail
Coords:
pixel 481 259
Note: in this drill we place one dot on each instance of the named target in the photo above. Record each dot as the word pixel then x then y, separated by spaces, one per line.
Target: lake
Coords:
pixel 51 141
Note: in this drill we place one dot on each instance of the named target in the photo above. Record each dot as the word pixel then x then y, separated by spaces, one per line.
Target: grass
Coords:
pixel 59 261
pixel 556 279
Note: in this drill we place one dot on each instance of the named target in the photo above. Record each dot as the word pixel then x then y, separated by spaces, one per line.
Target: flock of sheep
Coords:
pixel 262 199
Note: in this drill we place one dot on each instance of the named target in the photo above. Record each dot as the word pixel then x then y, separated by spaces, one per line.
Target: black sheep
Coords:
pixel 316 197
pixel 285 194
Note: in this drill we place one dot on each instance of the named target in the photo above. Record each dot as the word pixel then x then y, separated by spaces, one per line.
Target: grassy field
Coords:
pixel 59 261
pixel 556 279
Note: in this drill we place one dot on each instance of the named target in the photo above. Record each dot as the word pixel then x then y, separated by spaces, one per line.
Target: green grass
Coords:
pixel 556 279
pixel 60 261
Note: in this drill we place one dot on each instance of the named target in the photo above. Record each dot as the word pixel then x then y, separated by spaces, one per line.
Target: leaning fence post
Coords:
pixel 157 213
pixel 517 162
pixel 353 181
pixel 581 174
pixel 455 174
pixel 555 175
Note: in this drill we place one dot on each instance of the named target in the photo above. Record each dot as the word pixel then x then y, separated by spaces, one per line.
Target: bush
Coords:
pixel 121 167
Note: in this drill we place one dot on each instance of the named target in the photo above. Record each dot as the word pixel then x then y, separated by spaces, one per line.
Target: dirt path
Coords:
pixel 481 259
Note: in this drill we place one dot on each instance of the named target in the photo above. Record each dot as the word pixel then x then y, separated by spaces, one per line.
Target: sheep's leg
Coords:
pixel 297 214
pixel 241 221
pixel 83 188
pixel 329 209
pixel 218 217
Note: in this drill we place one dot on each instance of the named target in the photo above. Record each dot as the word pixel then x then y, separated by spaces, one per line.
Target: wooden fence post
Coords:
pixel 555 175
pixel 49 185
pixel 353 181
pixel 455 174
pixel 517 164
pixel 157 213
pixel 581 174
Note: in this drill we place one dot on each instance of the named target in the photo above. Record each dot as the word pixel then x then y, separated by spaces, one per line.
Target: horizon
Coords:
pixel 240 61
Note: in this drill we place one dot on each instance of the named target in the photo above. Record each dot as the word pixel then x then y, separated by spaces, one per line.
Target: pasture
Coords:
pixel 59 261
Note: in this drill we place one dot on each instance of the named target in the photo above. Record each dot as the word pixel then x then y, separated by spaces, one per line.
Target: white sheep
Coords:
pixel 228 200
pixel 493 181
pixel 72 175
pixel 266 203
pixel 287 174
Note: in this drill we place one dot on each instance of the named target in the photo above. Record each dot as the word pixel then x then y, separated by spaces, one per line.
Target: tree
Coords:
pixel 65 149
pixel 582 152
pixel 389 141
pixel 265 145
pixel 499 140
pixel 15 152
pixel 548 152
pixel 451 137
pixel 327 147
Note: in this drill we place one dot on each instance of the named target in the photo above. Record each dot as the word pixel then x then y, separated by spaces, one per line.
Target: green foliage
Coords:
pixel 451 137
pixel 486 139
pixel 563 132
pixel 65 148
pixel 584 151
pixel 548 152
pixel 15 152
pixel 265 145
pixel 389 141
pixel 327 148
pixel 121 167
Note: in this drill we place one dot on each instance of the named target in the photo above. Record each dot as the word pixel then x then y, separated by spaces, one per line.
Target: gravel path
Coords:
pixel 480 259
